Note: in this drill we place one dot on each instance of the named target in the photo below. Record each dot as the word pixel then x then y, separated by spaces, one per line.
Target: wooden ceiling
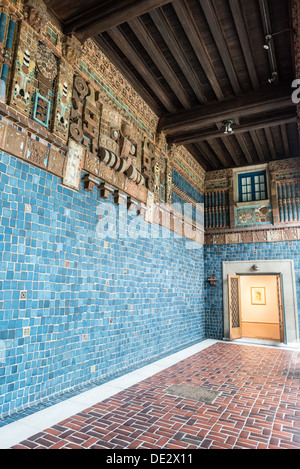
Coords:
pixel 200 62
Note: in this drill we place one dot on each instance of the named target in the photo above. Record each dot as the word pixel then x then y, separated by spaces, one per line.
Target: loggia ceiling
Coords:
pixel 198 63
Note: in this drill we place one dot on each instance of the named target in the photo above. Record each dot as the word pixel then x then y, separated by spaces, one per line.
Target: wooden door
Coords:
pixel 234 295
pixel 280 308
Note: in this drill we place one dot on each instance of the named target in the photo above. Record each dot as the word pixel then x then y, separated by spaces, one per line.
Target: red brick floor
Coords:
pixel 258 408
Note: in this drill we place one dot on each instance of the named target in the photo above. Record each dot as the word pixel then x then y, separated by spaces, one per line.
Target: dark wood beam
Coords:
pixel 208 8
pixel 228 143
pixel 161 63
pixel 212 162
pixel 271 143
pixel 225 159
pixel 244 146
pixel 241 28
pixel 107 14
pixel 132 79
pixel 186 18
pixel 199 157
pixel 285 140
pixel 171 39
pixel 140 66
pixel 257 146
pixel 259 123
pixel 262 101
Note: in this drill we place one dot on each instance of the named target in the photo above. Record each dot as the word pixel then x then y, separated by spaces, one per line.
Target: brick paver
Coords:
pixel 258 408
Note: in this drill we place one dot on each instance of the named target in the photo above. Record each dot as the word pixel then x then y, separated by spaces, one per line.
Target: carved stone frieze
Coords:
pixel 71 50
pixel 35 13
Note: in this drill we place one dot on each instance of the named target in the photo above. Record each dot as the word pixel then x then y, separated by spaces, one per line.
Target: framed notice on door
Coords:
pixel 258 295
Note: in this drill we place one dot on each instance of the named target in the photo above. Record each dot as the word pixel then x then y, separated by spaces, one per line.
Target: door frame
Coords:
pixel 285 268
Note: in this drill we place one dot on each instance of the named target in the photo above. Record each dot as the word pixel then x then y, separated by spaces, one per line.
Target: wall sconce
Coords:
pixel 212 280
pixel 228 127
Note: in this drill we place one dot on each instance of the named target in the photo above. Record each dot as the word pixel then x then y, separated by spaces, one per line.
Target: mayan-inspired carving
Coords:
pixel 35 13
pixel 62 105
pixel 56 163
pixel 71 50
pixel 85 115
pixel 8 21
pixel 37 153
pixel 148 156
pixel 92 163
pixel 24 81
pixel 15 142
pixel 169 183
pixel 118 84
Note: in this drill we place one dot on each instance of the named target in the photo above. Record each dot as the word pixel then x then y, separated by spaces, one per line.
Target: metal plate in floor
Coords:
pixel 195 393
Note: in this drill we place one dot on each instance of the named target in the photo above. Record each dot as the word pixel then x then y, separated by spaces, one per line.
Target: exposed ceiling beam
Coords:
pixel 140 66
pixel 262 101
pixel 285 140
pixel 160 61
pixel 241 28
pixel 186 18
pixel 208 8
pixel 107 14
pixel 212 161
pixel 245 147
pixel 259 123
pixel 270 141
pixel 222 155
pixel 171 39
pixel 257 146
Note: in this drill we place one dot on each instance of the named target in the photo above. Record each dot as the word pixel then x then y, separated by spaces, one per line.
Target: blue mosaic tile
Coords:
pixel 114 303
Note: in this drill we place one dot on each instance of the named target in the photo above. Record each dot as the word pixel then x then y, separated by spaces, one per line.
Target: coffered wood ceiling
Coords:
pixel 199 62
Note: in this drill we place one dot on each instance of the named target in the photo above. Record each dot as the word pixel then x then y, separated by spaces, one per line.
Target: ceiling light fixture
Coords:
pixel 228 126
pixel 268 37
pixel 274 76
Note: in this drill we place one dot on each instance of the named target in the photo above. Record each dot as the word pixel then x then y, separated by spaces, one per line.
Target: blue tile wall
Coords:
pixel 181 205
pixel 186 187
pixel 215 255
pixel 113 302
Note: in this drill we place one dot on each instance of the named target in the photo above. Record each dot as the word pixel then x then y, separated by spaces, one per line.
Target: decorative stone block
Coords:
pixel 41 111
pixel 56 162
pixel 74 165
pixel 37 153
pixel 15 142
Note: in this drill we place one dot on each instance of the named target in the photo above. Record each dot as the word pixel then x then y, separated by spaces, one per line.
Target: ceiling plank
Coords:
pixel 224 158
pixel 141 67
pixel 285 140
pixel 108 14
pixel 264 100
pixel 216 30
pixel 165 30
pixel 198 136
pixel 111 55
pixel 271 143
pixel 186 19
pixel 213 163
pixel 257 145
pixel 228 143
pixel 244 146
pixel 241 28
pixel 161 63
